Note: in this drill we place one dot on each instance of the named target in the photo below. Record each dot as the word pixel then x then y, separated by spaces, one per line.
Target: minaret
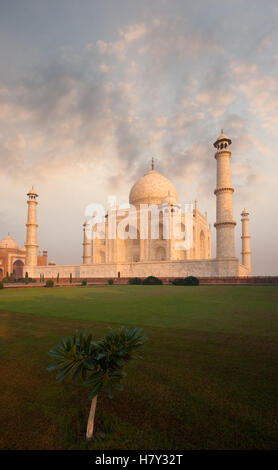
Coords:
pixel 44 253
pixel 31 231
pixel 86 244
pixel 245 237
pixel 225 224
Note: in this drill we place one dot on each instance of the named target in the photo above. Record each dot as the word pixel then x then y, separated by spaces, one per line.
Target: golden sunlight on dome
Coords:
pixel 152 188
pixel 9 242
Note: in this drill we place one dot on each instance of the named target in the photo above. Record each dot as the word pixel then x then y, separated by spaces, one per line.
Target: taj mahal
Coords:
pixel 137 254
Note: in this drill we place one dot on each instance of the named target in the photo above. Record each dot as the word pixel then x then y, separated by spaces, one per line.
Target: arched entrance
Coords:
pixel 18 269
pixel 202 245
pixel 1 274
pixel 132 245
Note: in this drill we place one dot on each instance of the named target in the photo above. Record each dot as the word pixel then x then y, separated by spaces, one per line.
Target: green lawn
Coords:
pixel 208 379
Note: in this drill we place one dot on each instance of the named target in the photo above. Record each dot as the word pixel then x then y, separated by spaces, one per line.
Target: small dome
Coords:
pixel 9 242
pixel 221 138
pixel 52 263
pixel 245 213
pixel 32 192
pixel 152 188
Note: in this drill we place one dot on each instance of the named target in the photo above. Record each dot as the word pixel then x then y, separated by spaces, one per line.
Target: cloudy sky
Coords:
pixel 91 90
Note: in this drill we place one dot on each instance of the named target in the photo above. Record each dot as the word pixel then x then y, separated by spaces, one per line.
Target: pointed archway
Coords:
pixel 18 269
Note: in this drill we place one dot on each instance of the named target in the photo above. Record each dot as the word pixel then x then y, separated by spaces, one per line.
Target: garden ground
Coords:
pixel 208 378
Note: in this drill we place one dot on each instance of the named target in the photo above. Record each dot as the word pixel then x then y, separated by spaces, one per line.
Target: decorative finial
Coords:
pixel 152 163
pixel 222 132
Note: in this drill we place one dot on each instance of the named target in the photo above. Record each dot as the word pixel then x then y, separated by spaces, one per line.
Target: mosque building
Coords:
pixel 152 190
pixel 13 260
pixel 140 255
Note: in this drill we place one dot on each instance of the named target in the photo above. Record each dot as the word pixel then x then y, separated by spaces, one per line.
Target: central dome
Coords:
pixel 152 188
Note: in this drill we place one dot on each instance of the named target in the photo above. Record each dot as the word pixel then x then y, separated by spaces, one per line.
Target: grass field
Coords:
pixel 208 379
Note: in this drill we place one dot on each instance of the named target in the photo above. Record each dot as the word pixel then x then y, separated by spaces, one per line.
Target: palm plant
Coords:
pixel 99 364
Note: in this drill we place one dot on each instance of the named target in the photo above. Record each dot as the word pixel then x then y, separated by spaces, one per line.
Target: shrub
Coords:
pixel 135 280
pixel 1 285
pixel 84 282
pixel 20 280
pixel 70 278
pixel 152 281
pixel 186 281
pixel 192 281
pixel 110 282
pixel 49 283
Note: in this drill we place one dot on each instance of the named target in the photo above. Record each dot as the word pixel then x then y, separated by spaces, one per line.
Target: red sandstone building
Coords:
pixel 12 258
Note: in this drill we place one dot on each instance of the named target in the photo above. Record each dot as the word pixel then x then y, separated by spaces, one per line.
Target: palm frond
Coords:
pixel 99 364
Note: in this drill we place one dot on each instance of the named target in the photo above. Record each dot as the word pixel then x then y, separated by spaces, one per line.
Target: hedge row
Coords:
pixel 152 280
pixel 186 281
